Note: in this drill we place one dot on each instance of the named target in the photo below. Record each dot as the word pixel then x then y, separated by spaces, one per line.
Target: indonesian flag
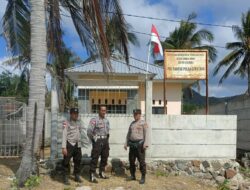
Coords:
pixel 155 40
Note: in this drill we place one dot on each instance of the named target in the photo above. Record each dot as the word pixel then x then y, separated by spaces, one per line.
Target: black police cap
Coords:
pixel 137 111
pixel 74 110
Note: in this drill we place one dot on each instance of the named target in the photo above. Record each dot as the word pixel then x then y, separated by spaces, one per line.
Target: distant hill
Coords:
pixel 199 100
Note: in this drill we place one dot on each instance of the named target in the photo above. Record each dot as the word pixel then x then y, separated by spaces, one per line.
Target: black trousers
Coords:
pixel 75 152
pixel 99 148
pixel 139 153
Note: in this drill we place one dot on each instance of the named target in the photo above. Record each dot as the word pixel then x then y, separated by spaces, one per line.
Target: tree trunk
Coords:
pixel 28 164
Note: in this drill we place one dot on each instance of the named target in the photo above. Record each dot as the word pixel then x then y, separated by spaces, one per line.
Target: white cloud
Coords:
pixel 224 12
pixel 3 4
pixel 142 7
pixel 6 68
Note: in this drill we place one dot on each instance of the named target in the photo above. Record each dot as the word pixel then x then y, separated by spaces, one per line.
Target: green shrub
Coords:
pixel 224 185
pixel 32 181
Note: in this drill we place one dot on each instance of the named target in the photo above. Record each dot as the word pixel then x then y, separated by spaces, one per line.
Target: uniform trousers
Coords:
pixel 139 153
pixel 75 152
pixel 99 148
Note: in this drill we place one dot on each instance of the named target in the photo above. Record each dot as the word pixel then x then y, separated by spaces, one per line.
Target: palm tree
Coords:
pixel 116 37
pixel 238 60
pixel 88 18
pixel 186 37
pixel 67 59
pixel 91 19
pixel 36 90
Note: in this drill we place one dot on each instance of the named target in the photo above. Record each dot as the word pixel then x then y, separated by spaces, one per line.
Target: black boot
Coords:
pixel 131 178
pixel 77 178
pixel 93 178
pixel 66 180
pixel 142 181
pixel 102 175
pixel 132 172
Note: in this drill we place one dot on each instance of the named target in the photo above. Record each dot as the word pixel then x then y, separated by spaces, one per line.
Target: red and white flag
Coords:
pixel 155 40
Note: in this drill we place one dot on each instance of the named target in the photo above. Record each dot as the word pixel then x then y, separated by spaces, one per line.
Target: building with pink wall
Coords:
pixel 123 89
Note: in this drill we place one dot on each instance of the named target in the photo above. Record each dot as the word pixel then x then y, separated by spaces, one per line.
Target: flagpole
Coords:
pixel 149 47
pixel 164 85
pixel 207 99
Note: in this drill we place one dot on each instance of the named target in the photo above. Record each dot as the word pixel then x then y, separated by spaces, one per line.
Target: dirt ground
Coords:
pixel 9 166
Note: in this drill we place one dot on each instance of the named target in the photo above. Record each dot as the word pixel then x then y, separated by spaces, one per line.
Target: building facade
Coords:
pixel 124 89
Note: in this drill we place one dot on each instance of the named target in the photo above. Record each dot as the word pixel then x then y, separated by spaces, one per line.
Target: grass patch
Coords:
pixel 32 181
pixel 161 173
pixel 224 185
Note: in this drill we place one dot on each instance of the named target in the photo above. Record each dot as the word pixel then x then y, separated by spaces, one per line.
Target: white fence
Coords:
pixel 174 136
pixel 12 127
pixel 241 108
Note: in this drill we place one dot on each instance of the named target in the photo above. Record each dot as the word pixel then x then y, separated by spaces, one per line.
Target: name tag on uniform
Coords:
pixel 100 125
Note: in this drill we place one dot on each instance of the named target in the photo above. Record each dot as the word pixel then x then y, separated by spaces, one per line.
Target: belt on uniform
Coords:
pixel 101 137
pixel 135 144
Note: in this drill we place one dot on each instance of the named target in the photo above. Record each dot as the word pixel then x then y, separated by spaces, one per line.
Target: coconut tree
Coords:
pixel 88 18
pixel 237 62
pixel 186 36
pixel 116 37
pixel 67 59
pixel 37 84
pixel 91 19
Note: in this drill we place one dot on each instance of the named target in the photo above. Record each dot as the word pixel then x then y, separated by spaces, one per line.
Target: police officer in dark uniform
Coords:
pixel 98 132
pixel 137 140
pixel 72 141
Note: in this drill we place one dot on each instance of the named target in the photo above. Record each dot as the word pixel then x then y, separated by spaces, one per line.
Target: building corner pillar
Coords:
pixel 148 113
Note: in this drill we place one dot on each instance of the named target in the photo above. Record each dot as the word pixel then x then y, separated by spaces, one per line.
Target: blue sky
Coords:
pixel 226 12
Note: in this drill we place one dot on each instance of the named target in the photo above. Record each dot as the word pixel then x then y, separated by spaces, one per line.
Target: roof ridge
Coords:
pixel 81 65
pixel 146 62
pixel 134 66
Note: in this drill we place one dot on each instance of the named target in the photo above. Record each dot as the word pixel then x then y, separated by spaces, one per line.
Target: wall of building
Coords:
pixel 173 95
pixel 174 136
pixel 241 108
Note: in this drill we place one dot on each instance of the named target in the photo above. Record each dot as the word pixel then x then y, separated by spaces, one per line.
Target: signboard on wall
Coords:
pixel 185 64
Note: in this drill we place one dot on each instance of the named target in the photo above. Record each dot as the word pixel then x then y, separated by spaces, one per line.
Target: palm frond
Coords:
pixel 16 28
pixel 167 44
pixel 245 20
pixel 230 69
pixel 238 33
pixel 212 52
pixel 200 35
pixel 94 18
pixel 242 70
pixel 54 31
pixel 82 27
pixel 132 38
pixel 234 45
pixel 232 57
pixel 191 16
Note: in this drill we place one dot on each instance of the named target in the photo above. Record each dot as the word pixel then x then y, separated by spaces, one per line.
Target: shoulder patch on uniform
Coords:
pixel 65 124
pixel 93 121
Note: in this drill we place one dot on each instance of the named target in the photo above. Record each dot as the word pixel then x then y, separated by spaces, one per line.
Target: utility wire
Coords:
pixel 178 21
pixel 164 37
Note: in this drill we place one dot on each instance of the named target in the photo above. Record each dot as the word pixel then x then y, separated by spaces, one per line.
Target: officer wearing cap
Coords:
pixel 137 140
pixel 98 132
pixel 74 136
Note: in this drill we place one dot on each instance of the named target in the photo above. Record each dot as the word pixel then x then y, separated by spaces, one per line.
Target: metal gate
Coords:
pixel 12 127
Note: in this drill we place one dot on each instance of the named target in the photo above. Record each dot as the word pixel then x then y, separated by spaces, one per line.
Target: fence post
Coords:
pixel 54 118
